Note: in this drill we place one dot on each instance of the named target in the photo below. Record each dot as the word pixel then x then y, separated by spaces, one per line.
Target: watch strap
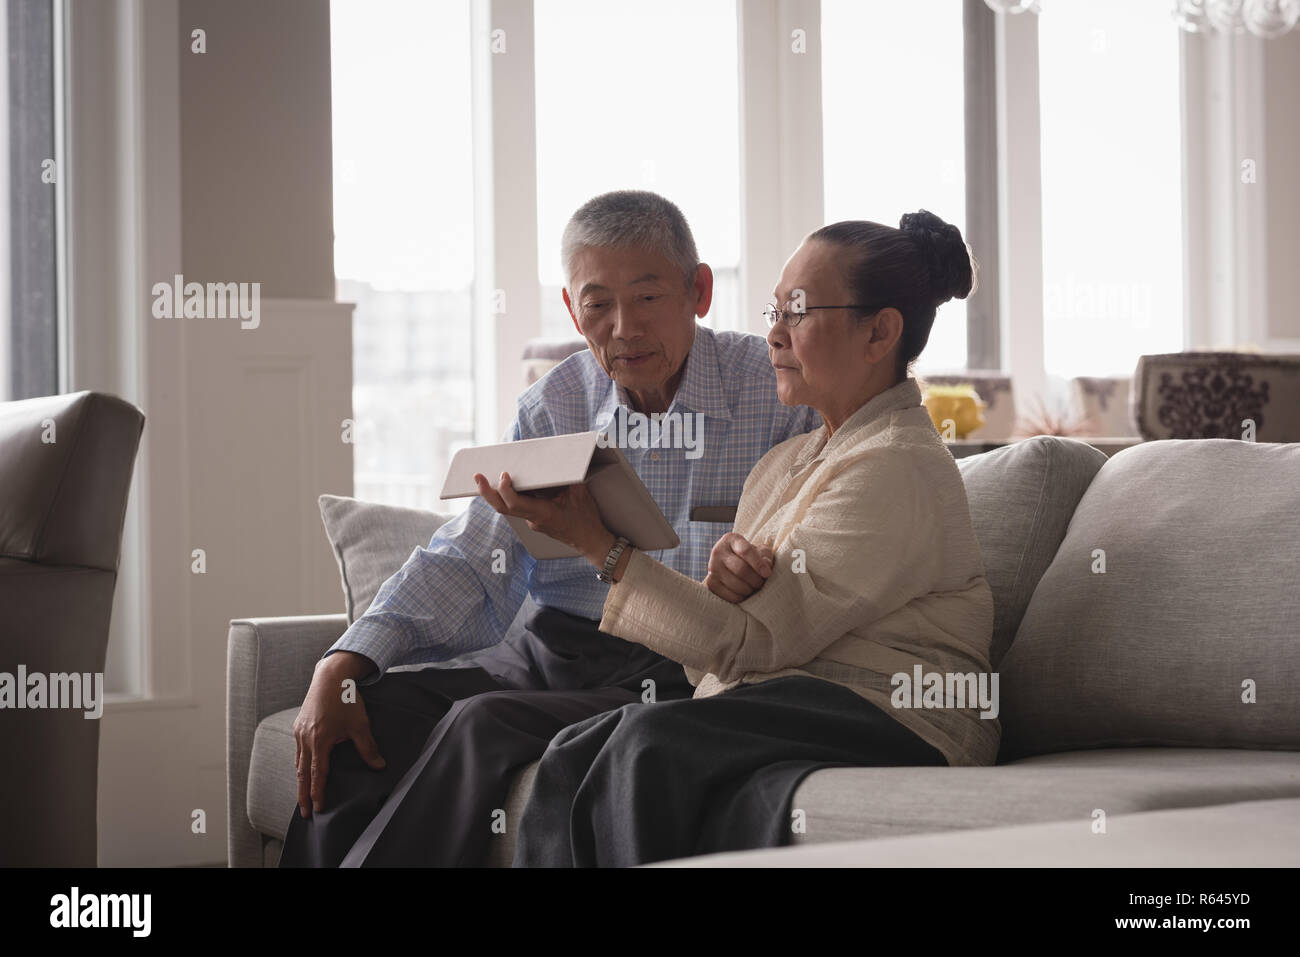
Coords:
pixel 606 574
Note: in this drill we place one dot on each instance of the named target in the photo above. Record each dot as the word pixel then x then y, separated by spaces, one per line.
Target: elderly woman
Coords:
pixel 853 560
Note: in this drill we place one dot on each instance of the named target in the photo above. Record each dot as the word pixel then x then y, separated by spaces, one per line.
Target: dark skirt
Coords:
pixel 672 779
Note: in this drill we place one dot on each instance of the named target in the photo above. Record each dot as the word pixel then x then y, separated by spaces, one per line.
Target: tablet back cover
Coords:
pixel 625 504
pixel 532 463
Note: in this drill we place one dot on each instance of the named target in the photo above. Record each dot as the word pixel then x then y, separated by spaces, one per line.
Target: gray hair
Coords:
pixel 630 217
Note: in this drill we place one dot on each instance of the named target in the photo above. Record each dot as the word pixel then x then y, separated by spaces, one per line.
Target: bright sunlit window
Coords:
pixel 639 96
pixel 1112 214
pixel 893 117
pixel 404 230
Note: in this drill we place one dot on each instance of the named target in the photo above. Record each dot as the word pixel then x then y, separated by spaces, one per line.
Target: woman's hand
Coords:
pixel 738 568
pixel 568 514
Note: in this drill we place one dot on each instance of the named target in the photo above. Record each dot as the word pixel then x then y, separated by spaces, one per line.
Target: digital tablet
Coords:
pixel 626 505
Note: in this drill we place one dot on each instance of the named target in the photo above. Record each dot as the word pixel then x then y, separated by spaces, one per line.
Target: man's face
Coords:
pixel 637 313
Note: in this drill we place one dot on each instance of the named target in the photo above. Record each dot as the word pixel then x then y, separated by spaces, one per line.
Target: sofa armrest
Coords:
pixel 269 664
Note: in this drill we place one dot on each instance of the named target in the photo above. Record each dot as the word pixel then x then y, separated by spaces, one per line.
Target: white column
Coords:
pixel 1251 211
pixel 505 188
pixel 1020 209
pixel 780 141
pixel 1227 189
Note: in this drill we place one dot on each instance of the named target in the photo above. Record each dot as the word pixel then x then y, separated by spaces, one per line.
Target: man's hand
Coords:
pixel 737 568
pixel 568 514
pixel 326 720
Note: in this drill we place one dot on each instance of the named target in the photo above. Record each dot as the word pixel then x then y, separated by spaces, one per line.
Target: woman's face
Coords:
pixel 831 361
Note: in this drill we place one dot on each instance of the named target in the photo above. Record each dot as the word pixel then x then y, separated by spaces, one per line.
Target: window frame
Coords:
pixel 34 336
pixel 781 191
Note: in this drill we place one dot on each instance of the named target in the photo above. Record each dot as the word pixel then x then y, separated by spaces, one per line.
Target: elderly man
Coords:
pixel 424 758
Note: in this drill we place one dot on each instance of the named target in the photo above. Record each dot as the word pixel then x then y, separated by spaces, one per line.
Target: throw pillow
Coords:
pixel 1168 617
pixel 371 542
pixel 1021 498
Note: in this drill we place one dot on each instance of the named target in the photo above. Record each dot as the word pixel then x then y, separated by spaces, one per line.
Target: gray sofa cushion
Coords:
pixel 1198 597
pixel 857 803
pixel 854 803
pixel 1244 834
pixel 272 784
pixel 1021 499
pixel 371 542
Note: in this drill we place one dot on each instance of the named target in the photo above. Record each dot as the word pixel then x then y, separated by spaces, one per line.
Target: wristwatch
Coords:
pixel 606 573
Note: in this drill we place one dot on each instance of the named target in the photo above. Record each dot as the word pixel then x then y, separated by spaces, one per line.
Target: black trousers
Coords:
pixel 654 782
pixel 452 739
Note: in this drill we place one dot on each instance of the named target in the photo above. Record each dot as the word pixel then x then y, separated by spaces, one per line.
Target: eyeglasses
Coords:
pixel 792 317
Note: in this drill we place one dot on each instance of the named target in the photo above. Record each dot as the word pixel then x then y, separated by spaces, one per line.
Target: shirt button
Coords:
pixel 654 456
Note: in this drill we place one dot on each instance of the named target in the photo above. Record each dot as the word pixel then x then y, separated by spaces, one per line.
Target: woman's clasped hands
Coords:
pixel 738 568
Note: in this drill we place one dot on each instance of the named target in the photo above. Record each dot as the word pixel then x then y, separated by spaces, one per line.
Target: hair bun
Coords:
pixel 946 256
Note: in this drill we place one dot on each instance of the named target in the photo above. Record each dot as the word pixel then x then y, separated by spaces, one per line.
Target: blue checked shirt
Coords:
pixel 446 601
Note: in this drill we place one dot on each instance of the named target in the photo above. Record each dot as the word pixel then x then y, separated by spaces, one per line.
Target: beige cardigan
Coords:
pixel 877 571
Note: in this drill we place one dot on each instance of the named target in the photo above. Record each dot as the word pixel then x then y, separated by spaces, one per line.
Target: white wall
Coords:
pixel 257 179
pixel 215 165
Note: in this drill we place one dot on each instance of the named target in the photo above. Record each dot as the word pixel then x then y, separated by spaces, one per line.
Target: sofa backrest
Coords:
pixel 1021 499
pixel 65 474
pixel 65 468
pixel 1170 615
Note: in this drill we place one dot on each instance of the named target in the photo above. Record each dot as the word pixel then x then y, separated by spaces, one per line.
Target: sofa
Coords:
pixel 65 475
pixel 1146 638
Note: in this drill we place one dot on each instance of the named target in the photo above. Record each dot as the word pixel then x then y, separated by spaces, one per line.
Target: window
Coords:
pixel 641 96
pixel 670 123
pixel 404 230
pixel 1112 213
pixel 29 284
pixel 894 137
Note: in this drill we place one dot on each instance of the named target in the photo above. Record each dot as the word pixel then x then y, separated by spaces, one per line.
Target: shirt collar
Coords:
pixel 904 395
pixel 699 391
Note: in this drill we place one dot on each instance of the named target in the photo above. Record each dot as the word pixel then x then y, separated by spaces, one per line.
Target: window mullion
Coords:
pixel 781 170
pixel 1020 206
pixel 507 290
pixel 983 332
